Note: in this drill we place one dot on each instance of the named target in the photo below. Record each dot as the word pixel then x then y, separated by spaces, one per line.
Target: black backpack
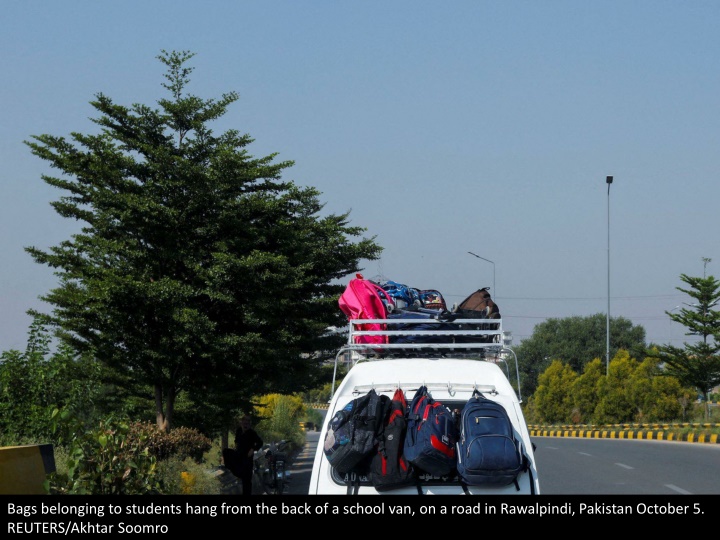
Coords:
pixel 489 451
pixel 389 468
pixel 353 431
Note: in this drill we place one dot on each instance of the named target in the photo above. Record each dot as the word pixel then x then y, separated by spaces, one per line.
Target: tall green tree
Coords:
pixel 575 341
pixel 585 391
pixel 615 404
pixel 553 398
pixel 655 396
pixel 198 270
pixel 696 364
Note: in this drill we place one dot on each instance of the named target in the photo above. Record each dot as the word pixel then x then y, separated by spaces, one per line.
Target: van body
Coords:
pixel 451 373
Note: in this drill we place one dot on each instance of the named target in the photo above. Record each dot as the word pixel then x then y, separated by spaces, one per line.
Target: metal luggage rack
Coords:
pixel 488 345
pixel 487 334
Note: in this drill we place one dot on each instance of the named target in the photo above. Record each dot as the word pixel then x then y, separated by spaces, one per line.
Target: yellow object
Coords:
pixel 188 482
pixel 23 469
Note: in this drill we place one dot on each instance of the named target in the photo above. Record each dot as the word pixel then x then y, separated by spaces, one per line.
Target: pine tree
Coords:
pixel 197 269
pixel 697 365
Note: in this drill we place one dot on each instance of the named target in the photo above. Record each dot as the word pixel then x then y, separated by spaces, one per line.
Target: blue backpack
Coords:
pixel 431 435
pixel 402 295
pixel 489 452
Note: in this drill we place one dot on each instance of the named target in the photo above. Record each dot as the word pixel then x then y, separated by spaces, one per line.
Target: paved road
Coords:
pixel 301 467
pixel 591 466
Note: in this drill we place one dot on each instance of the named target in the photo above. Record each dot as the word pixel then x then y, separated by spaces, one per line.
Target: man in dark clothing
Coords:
pixel 247 441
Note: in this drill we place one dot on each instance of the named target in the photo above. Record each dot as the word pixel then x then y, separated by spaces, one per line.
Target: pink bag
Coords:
pixel 363 299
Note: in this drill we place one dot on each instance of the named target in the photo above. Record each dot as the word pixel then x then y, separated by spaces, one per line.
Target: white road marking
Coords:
pixel 679 490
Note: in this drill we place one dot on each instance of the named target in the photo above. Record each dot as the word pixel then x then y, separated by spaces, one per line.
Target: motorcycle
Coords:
pixel 270 473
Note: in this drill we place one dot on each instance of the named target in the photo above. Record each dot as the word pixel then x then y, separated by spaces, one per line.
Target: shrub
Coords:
pixel 180 442
pixel 102 461
pixel 120 457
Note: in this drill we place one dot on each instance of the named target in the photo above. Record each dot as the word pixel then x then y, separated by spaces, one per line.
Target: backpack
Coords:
pixel 365 299
pixel 402 295
pixel 479 305
pixel 389 468
pixel 354 430
pixel 432 299
pixel 431 435
pixel 488 452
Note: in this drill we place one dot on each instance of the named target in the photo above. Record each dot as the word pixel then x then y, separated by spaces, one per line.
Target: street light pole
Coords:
pixel 609 181
pixel 494 292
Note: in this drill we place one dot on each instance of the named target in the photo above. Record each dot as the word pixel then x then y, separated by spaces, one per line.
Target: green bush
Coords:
pixel 120 457
pixel 103 461
pixel 180 442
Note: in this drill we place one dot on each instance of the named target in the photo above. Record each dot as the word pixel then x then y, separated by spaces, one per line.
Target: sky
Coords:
pixel 442 127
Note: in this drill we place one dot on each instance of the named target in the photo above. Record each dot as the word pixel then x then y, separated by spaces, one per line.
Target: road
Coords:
pixel 301 467
pixel 569 466
pixel 572 466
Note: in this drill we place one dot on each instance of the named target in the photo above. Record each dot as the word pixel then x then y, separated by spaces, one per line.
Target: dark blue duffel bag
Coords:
pixel 421 313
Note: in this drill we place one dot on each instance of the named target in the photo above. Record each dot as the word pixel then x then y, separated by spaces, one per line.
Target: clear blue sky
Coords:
pixel 444 127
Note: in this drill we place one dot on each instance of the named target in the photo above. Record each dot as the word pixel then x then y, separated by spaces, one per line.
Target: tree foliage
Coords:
pixel 103 461
pixel 198 270
pixel 632 392
pixel 585 391
pixel 615 403
pixel 574 341
pixel 280 417
pixel 552 396
pixel 36 381
pixel 696 364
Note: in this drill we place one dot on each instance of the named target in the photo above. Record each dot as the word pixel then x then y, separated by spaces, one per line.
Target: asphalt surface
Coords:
pixel 301 466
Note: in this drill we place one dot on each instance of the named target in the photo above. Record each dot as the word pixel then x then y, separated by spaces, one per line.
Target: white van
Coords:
pixel 451 372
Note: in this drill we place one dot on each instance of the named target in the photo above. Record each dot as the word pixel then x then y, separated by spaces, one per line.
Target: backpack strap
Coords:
pixel 353 483
pixel 464 488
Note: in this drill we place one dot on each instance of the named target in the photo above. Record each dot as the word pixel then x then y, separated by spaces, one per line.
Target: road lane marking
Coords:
pixel 679 490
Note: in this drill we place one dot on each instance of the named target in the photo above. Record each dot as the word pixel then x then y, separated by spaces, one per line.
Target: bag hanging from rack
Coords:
pixel 431 435
pixel 489 452
pixel 353 431
pixel 365 299
pixel 390 469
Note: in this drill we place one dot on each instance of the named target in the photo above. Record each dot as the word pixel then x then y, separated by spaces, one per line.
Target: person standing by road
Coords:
pixel 247 442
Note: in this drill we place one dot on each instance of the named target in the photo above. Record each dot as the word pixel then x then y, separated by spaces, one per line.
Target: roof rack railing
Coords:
pixel 480 339
pixel 487 331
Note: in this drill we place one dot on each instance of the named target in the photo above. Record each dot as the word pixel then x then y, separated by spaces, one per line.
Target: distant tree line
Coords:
pixel 563 372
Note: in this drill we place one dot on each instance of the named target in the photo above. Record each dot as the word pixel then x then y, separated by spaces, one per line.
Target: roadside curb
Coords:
pixel 627 434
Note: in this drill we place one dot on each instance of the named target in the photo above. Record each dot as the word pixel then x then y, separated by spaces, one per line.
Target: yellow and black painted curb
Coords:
pixel 319 406
pixel 626 433
pixel 23 468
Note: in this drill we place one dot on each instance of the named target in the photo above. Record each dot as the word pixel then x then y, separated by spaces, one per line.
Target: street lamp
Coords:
pixel 609 181
pixel 494 293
